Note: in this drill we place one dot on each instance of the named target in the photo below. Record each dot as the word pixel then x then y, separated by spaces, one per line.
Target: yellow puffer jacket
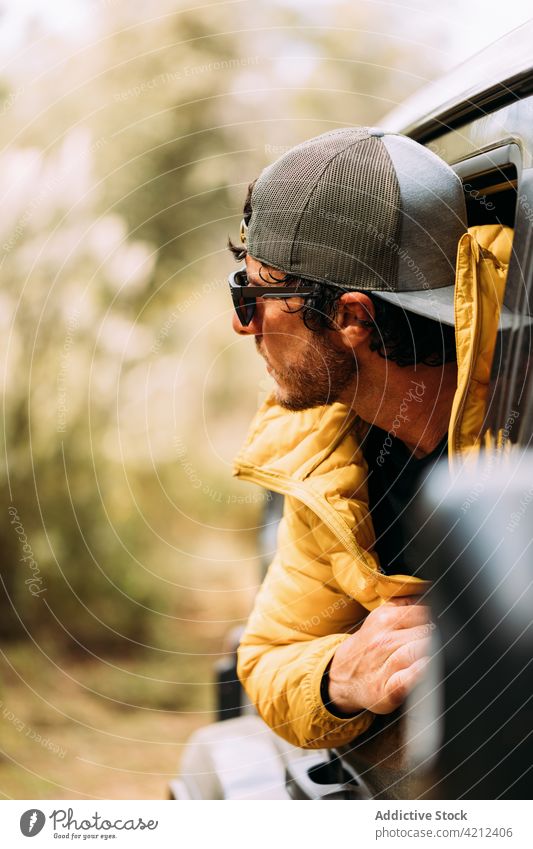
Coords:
pixel 325 576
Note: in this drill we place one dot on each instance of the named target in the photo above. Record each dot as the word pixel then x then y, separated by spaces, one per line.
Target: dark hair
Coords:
pixel 402 337
pixel 398 335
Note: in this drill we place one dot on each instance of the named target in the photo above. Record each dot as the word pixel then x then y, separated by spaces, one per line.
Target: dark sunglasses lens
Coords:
pixel 244 307
pixel 248 309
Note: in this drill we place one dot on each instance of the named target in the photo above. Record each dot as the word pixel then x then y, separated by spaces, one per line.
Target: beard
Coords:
pixel 318 379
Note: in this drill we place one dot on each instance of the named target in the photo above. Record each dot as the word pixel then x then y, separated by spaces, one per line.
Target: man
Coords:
pixel 350 241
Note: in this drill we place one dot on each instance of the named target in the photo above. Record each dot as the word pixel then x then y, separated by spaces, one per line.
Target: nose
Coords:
pixel 252 329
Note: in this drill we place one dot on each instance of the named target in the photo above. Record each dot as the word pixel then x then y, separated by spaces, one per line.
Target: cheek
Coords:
pixel 287 327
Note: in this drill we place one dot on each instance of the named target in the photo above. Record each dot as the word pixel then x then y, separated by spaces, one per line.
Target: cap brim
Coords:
pixel 437 304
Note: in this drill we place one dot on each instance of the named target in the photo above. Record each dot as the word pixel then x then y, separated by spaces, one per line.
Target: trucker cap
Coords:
pixel 363 209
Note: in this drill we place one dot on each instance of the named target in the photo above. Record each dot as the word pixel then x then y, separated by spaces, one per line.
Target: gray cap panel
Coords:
pixel 433 216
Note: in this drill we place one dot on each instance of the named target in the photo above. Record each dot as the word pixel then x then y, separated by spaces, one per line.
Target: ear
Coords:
pixel 355 312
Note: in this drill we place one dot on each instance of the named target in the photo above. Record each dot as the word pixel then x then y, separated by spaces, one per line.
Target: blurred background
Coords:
pixel 130 133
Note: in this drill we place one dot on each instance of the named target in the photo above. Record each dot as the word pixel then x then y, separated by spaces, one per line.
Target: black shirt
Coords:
pixel 394 478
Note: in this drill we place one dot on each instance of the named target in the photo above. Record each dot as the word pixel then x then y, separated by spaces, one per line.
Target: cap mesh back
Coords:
pixel 330 210
pixel 361 208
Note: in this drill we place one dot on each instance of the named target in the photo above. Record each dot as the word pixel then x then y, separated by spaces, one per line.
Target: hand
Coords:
pixel 376 667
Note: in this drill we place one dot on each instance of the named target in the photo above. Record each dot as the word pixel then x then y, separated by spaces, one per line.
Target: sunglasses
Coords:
pixel 244 296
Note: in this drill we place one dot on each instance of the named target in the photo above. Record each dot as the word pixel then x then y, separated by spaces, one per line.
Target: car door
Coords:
pixel 491 153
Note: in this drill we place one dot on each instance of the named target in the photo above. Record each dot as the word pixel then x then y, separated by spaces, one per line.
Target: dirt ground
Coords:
pixel 69 732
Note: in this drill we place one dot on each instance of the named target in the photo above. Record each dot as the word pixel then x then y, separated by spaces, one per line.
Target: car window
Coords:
pixel 490 180
pixel 510 408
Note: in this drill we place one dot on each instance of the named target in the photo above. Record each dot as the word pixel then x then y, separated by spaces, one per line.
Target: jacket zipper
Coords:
pixel 472 355
pixel 286 486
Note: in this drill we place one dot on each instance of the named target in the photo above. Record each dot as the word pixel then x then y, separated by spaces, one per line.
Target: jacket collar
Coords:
pixel 295 443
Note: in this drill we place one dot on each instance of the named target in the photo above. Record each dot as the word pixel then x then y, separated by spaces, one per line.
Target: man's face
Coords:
pixel 310 369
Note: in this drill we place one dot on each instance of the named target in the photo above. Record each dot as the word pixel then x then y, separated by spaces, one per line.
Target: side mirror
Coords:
pixel 470 725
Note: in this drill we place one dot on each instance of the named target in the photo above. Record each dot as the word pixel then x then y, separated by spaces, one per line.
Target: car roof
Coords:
pixel 497 75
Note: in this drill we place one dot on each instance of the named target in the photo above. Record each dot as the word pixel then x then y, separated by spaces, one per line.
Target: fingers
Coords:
pixel 408 654
pixel 403 681
pixel 404 615
pixel 404 600
pixel 410 635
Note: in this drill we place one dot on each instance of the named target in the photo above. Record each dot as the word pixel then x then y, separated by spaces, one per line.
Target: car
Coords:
pixel 466 731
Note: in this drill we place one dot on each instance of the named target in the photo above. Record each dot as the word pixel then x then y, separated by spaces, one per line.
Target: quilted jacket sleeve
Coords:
pixel 300 617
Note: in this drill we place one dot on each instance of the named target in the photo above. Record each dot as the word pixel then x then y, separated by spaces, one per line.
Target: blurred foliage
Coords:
pixel 131 139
